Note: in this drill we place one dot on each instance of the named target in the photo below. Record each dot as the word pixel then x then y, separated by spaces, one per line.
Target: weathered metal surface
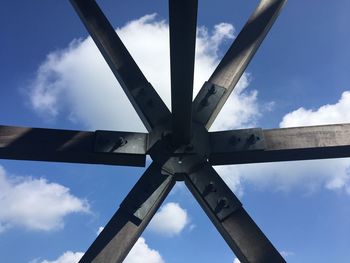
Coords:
pixel 182 26
pixel 237 140
pixel 237 58
pixel 214 191
pixel 147 103
pixel 206 102
pixel 127 224
pixel 121 142
pixel 240 232
pixel 301 143
pixel 54 145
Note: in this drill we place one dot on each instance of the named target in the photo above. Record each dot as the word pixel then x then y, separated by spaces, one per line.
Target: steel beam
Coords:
pixel 36 144
pixel 128 223
pixel 288 144
pixel 182 26
pixel 140 92
pixel 238 229
pixel 209 101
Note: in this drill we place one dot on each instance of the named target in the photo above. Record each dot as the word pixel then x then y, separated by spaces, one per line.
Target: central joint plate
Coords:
pixel 179 158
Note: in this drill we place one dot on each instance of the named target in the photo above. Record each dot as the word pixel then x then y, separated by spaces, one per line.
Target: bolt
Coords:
pixel 119 143
pixel 222 203
pixel 211 187
pixel 212 90
pixel 253 139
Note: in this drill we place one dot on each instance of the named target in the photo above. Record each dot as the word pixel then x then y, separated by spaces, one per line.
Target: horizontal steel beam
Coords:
pixel 287 144
pixel 209 101
pixel 37 144
pixel 147 103
pixel 134 214
pixel 226 212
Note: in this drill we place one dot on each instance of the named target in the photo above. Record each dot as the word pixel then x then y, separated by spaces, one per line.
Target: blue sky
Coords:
pixel 52 76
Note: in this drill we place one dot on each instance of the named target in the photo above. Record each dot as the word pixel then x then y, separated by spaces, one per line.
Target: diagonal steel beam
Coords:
pixel 238 229
pixel 213 95
pixel 134 214
pixel 182 23
pixel 140 92
pixel 36 144
pixel 288 144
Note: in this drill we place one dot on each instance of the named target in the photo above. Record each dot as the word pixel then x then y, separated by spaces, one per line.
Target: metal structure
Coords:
pixel 178 142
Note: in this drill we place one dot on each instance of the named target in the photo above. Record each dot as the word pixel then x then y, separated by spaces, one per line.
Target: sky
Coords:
pixel 54 77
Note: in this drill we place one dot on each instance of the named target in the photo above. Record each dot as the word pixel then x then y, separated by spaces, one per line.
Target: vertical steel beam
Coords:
pixel 182 23
pixel 134 214
pixel 232 221
pixel 140 92
pixel 216 91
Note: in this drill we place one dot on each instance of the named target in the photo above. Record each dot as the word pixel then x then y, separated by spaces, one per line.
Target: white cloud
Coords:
pixel 236 260
pixel 35 203
pixel 141 252
pixel 309 176
pixel 170 220
pixel 67 257
pixel 327 114
pixel 75 83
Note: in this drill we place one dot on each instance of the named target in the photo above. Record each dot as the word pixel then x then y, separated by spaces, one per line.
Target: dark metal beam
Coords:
pixel 128 223
pixel 140 92
pixel 182 26
pixel 238 229
pixel 216 91
pixel 53 145
pixel 288 144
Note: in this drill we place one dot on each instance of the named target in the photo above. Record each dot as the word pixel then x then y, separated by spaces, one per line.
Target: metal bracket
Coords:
pixel 209 186
pixel 206 101
pixel 145 193
pixel 237 140
pixel 120 142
